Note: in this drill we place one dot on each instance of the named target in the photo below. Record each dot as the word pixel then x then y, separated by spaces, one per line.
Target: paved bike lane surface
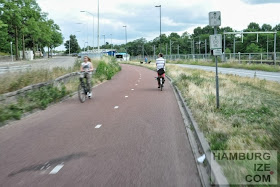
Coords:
pixel 129 134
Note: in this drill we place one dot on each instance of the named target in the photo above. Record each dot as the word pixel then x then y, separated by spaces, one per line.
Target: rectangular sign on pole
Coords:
pixel 216 41
pixel 215 19
pixel 217 52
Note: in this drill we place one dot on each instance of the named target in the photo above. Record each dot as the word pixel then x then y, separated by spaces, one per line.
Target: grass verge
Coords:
pixel 249 116
pixel 43 97
pixel 252 66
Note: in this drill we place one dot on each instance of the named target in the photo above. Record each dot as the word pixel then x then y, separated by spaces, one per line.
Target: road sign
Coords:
pixel 216 41
pixel 215 19
pixel 217 52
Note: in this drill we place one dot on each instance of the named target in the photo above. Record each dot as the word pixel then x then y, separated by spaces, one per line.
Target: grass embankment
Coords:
pixel 41 98
pixel 252 66
pixel 249 114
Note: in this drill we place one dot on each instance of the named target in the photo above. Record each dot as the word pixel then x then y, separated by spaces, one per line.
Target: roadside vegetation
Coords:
pixel 249 114
pixel 252 66
pixel 40 99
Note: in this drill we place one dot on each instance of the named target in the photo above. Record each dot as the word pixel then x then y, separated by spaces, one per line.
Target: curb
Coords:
pixel 199 145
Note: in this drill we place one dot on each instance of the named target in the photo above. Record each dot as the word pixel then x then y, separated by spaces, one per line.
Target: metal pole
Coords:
pixel 193 47
pixel 224 47
pixel 166 48
pixel 170 47
pixel 217 76
pixel 98 47
pixel 12 52
pixel 154 51
pixel 69 44
pixel 205 48
pixel 92 33
pixel 275 49
pixel 234 46
pixel 199 44
pixel 267 47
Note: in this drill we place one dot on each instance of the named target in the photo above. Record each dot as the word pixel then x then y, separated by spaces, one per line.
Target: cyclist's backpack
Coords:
pixel 161 71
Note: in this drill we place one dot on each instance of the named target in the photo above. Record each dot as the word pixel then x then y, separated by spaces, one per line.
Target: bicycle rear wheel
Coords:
pixel 161 84
pixel 81 94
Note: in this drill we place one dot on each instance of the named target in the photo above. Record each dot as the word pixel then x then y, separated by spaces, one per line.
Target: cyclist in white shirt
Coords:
pixel 160 63
pixel 86 69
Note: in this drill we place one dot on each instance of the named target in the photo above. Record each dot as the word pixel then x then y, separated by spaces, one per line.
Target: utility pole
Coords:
pixel 166 48
pixel 275 48
pixel 224 47
pixel 125 41
pixel 12 51
pixel 159 6
pixel 69 44
pixel 234 46
pixel 170 47
pixel 178 50
pixel 98 47
pixel 205 48
pixel 267 47
pixel 154 51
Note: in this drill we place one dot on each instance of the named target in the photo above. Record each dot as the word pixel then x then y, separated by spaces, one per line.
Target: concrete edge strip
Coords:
pixel 199 144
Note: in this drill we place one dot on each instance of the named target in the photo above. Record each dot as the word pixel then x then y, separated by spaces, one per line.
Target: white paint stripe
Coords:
pixel 98 126
pixel 132 89
pixel 116 107
pixel 56 169
pixel 126 96
pixel 136 84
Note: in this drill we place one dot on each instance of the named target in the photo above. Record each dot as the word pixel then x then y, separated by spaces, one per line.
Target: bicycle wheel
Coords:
pixel 81 94
pixel 161 84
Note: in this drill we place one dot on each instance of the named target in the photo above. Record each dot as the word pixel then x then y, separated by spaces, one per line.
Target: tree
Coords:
pixel 266 27
pixel 74 46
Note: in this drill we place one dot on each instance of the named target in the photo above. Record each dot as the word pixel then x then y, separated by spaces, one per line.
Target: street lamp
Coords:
pixel 159 6
pixel 92 24
pixel 125 40
pixel 69 44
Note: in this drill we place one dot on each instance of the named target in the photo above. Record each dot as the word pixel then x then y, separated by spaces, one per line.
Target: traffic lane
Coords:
pixel 273 76
pixel 139 148
pixel 112 150
pixel 54 133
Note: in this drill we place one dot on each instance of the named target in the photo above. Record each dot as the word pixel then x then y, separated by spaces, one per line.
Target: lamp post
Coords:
pixel 159 6
pixel 125 40
pixel 92 26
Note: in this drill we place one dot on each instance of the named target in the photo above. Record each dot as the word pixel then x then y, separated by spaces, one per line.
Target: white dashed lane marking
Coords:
pixel 132 89
pixel 126 96
pixel 116 107
pixel 56 169
pixel 98 126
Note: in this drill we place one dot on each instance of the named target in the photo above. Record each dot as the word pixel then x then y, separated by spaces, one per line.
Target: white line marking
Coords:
pixel 56 169
pixel 116 107
pixel 136 84
pixel 98 126
pixel 126 96
pixel 132 89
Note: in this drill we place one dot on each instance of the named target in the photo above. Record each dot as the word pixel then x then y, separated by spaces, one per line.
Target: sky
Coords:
pixel 142 18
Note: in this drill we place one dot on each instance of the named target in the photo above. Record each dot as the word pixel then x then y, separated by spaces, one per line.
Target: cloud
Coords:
pixel 260 1
pixel 142 17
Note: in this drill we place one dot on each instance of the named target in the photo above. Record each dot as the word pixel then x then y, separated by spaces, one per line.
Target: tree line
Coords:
pixel 198 42
pixel 23 23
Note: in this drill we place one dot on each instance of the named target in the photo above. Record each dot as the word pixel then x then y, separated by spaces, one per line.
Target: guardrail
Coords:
pixel 261 58
pixel 14 68
pixel 12 96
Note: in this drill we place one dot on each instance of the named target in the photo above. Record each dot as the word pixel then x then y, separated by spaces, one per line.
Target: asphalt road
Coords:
pixel 272 76
pixel 45 63
pixel 110 140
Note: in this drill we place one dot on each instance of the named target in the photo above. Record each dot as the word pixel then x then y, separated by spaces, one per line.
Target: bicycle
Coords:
pixel 160 78
pixel 83 90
